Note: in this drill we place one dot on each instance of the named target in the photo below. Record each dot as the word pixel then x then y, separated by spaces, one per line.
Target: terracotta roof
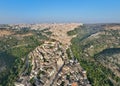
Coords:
pixel 74 84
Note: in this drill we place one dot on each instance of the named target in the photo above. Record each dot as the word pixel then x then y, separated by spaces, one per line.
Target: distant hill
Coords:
pixel 97 47
pixel 111 59
pixel 14 46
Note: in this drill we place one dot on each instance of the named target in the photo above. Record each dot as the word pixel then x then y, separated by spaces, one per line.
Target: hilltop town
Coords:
pixel 66 54
pixel 48 64
pixel 51 67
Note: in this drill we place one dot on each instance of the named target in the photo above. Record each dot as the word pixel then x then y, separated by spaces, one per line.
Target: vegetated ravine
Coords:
pixel 97 48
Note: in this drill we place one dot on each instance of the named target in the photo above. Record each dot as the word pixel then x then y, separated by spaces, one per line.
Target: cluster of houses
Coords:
pixel 50 66
pixel 41 25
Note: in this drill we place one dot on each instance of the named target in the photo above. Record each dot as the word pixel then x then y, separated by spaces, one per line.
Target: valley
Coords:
pixel 97 50
pixel 60 55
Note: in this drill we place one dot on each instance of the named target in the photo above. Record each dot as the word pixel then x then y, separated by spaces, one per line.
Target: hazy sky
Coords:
pixel 35 11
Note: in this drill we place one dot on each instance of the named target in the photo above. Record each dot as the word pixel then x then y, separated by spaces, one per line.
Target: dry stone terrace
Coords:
pixel 59 30
pixel 51 67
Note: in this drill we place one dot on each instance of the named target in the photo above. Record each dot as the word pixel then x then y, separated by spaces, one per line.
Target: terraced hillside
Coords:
pixel 13 50
pixel 111 59
pixel 97 49
pixel 28 55
pixel 36 56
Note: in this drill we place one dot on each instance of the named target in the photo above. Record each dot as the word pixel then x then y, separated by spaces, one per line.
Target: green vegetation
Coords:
pixel 13 50
pixel 46 31
pixel 72 32
pixel 23 31
pixel 32 81
pixel 85 47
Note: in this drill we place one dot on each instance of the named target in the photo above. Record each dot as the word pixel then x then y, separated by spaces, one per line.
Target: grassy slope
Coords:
pixel 97 73
pixel 11 55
